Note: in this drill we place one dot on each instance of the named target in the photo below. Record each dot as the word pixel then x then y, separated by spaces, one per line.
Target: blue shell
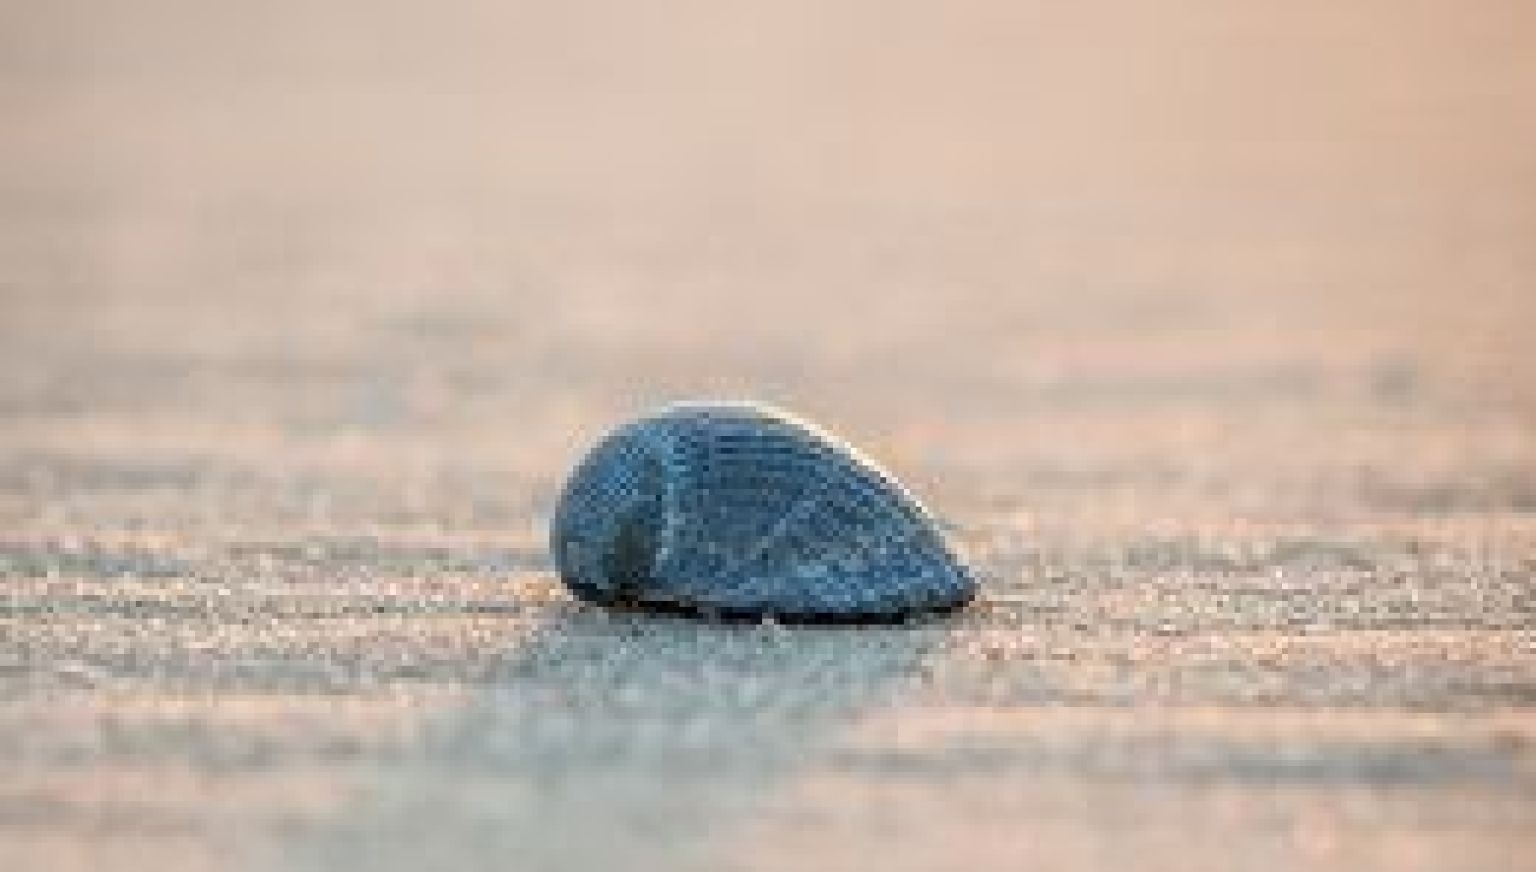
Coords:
pixel 740 510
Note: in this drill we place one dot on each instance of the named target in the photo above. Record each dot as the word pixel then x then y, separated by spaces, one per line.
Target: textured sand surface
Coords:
pixel 1206 325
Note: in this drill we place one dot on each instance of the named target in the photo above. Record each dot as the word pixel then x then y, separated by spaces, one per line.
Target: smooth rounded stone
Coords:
pixel 740 510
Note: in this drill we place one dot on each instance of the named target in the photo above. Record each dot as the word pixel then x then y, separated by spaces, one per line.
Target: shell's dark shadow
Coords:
pixel 735 617
pixel 621 738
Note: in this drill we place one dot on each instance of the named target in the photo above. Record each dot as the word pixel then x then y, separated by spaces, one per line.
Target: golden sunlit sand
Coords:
pixel 1205 327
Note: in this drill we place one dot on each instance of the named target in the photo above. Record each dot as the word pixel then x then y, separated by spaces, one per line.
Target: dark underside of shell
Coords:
pixel 740 511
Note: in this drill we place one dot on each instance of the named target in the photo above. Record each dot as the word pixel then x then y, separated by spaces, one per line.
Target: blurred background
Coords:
pixel 433 212
pixel 306 308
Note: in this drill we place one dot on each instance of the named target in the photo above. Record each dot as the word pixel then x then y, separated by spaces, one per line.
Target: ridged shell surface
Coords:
pixel 743 510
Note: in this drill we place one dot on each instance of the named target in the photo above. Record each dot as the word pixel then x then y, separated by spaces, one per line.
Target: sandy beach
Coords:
pixel 1206 328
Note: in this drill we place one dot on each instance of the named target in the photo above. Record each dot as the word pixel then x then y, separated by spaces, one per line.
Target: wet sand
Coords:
pixel 1206 327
